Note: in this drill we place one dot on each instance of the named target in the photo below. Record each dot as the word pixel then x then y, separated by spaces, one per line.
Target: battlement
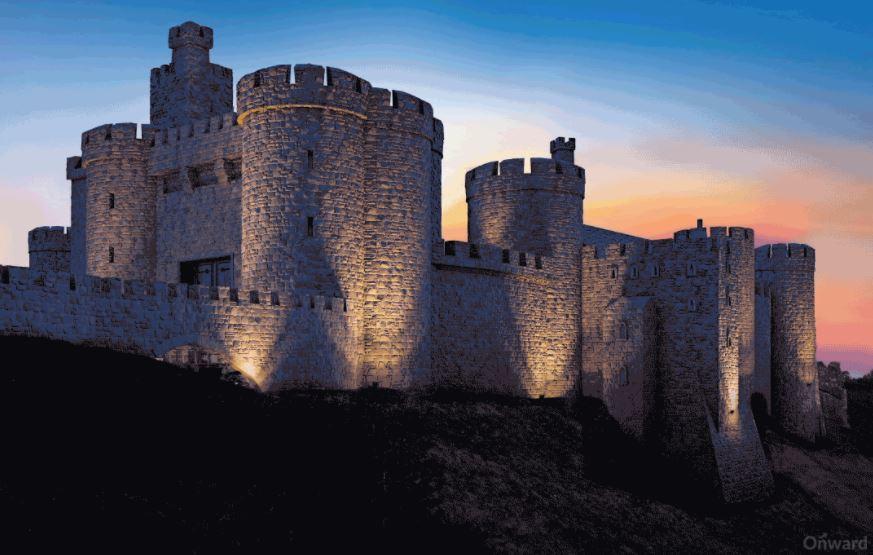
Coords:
pixel 74 168
pixel 190 34
pixel 515 166
pixel 545 174
pixel 561 143
pixel 170 136
pixel 53 238
pixel 165 71
pixel 108 137
pixel 785 257
pixel 85 285
pixel 490 257
pixel 313 86
pixel 700 236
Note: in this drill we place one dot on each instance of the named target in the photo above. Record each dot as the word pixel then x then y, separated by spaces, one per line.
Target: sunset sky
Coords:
pixel 740 113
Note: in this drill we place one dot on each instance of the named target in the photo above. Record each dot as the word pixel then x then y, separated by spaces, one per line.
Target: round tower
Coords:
pixel 788 272
pixel 49 249
pixel 538 212
pixel 404 161
pixel 119 204
pixel 303 180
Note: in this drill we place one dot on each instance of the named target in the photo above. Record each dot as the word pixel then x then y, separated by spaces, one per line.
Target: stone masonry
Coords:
pixel 299 242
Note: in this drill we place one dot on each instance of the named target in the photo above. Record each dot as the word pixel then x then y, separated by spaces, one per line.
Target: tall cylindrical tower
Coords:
pixel 540 214
pixel 303 180
pixel 120 203
pixel 788 271
pixel 403 161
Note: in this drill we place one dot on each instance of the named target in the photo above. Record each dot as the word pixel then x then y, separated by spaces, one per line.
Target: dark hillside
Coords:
pixel 106 450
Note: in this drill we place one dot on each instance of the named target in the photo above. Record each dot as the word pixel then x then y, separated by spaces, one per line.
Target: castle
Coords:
pixel 298 241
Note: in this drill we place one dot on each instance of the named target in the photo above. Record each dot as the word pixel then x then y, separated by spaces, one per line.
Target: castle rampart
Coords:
pixel 276 339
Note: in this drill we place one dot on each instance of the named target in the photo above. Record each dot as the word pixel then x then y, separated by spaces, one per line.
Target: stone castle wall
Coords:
pixel 834 399
pixel 277 340
pixel 195 172
pixel 700 287
pixel 500 321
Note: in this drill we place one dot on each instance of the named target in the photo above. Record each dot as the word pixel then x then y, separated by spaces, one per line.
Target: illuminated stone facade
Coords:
pixel 298 241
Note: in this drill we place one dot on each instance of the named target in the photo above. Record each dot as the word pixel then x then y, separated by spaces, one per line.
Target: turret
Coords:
pixel 119 204
pixel 49 249
pixel 538 212
pixel 190 87
pixel 562 150
pixel 787 272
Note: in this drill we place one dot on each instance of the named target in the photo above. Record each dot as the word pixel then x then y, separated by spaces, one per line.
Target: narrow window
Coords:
pixel 111 254
pixel 635 273
pixel 622 331
pixel 727 334
pixel 310 226
pixel 505 256
pixel 727 295
pixel 450 248
pixel 538 263
pixel 357 85
pixel 194 177
pixel 623 376
pixel 257 82
pixel 656 270
pixel 690 270
pixel 474 250
pixel 310 159
pixel 111 201
pixel 692 305
pixel 729 269
pixel 612 273
pixel 522 259
pixel 233 169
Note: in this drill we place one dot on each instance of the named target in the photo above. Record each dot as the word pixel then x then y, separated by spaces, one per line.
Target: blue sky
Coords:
pixel 743 113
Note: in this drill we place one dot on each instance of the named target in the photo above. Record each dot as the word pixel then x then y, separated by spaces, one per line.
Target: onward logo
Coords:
pixel 823 543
